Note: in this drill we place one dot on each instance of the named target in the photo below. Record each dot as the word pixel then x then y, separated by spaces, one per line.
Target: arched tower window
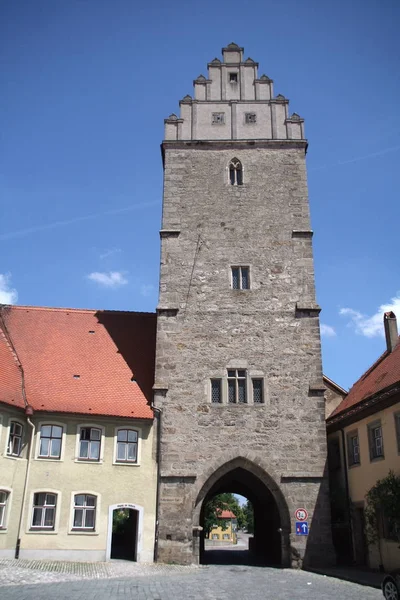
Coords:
pixel 235 172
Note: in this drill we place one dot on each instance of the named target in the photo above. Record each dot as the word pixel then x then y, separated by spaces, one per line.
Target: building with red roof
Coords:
pixel 363 446
pixel 225 532
pixel 76 433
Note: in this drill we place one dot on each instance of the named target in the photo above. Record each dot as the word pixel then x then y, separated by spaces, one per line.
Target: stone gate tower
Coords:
pixel 238 368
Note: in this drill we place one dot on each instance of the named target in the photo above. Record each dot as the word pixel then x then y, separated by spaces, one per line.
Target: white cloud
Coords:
pixel 327 330
pixel 8 295
pixel 146 289
pixel 110 252
pixel 372 326
pixel 112 279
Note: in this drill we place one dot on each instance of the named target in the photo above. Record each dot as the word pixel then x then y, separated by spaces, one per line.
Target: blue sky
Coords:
pixel 86 85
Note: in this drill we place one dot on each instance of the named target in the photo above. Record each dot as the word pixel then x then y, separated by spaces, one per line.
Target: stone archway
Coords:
pixel 272 519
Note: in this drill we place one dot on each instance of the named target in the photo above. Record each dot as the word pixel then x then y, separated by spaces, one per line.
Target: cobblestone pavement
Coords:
pixel 120 580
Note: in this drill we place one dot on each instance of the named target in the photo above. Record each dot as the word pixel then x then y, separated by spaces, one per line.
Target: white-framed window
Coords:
pixel 50 441
pixel 4 502
pixel 353 448
pixel 215 536
pixel 127 446
pixel 218 118
pixel 240 277
pixel 44 510
pixel 89 443
pixel 84 512
pixel 375 439
pixel 226 536
pixel 15 436
pixel 235 172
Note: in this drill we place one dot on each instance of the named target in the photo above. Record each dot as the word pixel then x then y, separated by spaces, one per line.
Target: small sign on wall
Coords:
pixel 301 514
pixel 301 528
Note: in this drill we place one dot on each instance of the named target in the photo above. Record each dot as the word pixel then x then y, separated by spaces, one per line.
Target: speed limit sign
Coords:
pixel 301 514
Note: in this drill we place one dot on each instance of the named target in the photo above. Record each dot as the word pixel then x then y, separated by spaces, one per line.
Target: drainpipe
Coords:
pixel 158 412
pixel 28 413
pixel 346 484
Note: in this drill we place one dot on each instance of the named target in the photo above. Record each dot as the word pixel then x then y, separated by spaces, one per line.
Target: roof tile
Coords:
pixel 79 361
pixel 383 374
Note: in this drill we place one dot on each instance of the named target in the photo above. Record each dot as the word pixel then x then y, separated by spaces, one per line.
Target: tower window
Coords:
pixel 258 397
pixel 237 386
pixel 250 118
pixel 240 278
pixel 216 393
pixel 233 77
pixel 235 172
pixel 218 118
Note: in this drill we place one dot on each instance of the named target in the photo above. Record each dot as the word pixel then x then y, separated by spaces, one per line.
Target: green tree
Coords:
pixel 383 499
pixel 248 513
pixel 216 505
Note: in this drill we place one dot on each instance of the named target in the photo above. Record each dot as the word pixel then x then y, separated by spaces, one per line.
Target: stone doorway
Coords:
pixel 124 534
pixel 270 544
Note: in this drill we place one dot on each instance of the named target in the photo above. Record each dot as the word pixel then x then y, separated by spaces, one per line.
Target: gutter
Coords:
pixel 346 485
pixel 28 413
pixel 158 412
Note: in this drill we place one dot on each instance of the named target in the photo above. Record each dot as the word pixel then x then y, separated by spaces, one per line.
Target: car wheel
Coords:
pixel 390 590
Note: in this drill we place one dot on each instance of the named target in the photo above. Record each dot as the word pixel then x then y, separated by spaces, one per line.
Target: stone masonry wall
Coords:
pixel 205 327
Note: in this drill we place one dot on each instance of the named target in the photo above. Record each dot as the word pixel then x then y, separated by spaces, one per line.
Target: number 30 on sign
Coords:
pixel 301 514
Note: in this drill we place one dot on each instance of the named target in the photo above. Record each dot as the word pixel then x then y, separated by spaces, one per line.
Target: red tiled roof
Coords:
pixel 384 373
pixel 226 514
pixel 78 361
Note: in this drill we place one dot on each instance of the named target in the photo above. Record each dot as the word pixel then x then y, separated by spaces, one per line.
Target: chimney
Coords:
pixel 391 333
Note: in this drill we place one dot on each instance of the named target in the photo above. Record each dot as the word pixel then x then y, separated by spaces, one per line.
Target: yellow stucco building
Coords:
pixel 77 465
pixel 226 533
pixel 364 445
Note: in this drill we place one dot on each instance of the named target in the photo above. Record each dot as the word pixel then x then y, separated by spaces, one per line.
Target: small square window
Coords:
pixel 233 77
pixel 218 118
pixel 240 278
pixel 251 118
pixel 216 395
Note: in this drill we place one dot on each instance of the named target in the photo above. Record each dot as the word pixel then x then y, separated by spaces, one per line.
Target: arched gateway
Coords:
pixel 238 382
pixel 271 515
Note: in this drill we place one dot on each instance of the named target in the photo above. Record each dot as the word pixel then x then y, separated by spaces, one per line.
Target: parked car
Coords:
pixel 391 586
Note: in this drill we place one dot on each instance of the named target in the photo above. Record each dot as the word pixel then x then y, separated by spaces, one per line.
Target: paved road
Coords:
pixel 214 582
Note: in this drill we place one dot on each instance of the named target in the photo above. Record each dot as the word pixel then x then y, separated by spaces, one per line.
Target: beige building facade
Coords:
pixel 364 446
pixel 73 485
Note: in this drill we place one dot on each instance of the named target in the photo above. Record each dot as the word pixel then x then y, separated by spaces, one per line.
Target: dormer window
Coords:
pixel 235 172
pixel 233 77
